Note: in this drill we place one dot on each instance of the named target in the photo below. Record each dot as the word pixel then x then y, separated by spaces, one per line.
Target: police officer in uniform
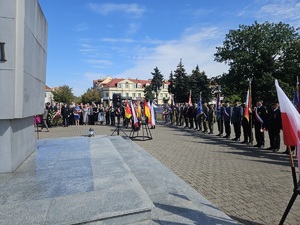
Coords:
pixel 236 119
pixel 227 112
pixel 274 127
pixel 260 123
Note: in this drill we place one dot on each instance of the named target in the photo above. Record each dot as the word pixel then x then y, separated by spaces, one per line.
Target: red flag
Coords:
pixel 147 111
pixel 190 98
pixel 290 120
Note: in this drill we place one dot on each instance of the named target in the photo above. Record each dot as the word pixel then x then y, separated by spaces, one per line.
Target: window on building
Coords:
pixel 166 95
pixel 106 95
pixel 133 86
pixel 161 95
pixel 139 85
pixel 119 85
pixel 126 85
pixel 2 52
pixel 139 95
pixel 127 95
pixel 166 86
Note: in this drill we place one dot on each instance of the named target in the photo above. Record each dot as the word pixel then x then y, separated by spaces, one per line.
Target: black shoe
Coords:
pixel 270 148
pixel 210 133
pixel 244 142
pixel 225 136
pixel 285 152
pixel 256 145
pixel 219 135
pixel 234 139
pixel 275 149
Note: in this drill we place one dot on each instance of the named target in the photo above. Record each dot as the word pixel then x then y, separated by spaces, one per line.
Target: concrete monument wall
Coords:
pixel 22 78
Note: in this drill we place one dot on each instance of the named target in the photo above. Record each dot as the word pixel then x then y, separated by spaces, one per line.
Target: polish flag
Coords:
pixel 135 119
pixel 290 120
pixel 152 114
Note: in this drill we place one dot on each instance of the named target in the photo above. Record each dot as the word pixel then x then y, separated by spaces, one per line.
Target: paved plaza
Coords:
pixel 251 185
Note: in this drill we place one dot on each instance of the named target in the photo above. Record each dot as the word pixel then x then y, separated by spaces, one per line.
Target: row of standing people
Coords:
pixel 84 114
pixel 203 118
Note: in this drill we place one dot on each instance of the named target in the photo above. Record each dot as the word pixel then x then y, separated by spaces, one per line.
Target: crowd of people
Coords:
pixel 230 119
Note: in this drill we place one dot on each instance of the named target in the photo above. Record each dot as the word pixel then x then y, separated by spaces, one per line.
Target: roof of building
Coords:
pixel 47 88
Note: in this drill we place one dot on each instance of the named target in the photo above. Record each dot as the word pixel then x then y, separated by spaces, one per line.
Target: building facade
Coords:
pixel 128 88
pixel 23 53
pixel 48 95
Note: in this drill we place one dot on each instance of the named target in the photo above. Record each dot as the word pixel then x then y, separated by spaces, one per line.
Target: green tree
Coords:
pixel 157 81
pixel 171 84
pixel 181 90
pixel 198 82
pixel 263 53
pixel 91 95
pixel 148 92
pixel 63 94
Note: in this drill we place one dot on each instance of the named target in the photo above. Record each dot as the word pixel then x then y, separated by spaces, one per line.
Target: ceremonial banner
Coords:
pixel 147 111
pixel 218 104
pixel 135 119
pixel 190 98
pixel 152 114
pixel 290 120
pixel 127 110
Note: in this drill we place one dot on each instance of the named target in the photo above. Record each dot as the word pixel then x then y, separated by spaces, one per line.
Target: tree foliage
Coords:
pixel 181 90
pixel 63 94
pixel 263 53
pixel 148 92
pixel 157 81
pixel 171 83
pixel 91 95
pixel 198 82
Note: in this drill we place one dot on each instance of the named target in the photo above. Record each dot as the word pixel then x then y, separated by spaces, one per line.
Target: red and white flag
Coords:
pixel 190 98
pixel 290 120
pixel 135 119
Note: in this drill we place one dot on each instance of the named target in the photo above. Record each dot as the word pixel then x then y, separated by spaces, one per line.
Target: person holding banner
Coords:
pixel 260 122
pixel 227 112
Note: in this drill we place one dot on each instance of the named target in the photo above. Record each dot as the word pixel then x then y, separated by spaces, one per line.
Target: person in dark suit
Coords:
pixel 274 126
pixel 227 112
pixel 260 120
pixel 236 119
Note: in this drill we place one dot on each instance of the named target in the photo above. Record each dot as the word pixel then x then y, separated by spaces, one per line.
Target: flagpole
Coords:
pixel 296 188
pixel 250 117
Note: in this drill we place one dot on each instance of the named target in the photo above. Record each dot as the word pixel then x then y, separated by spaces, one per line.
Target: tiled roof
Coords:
pixel 115 81
pixel 47 88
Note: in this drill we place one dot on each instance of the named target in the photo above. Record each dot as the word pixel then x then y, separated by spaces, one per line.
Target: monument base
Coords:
pixel 17 142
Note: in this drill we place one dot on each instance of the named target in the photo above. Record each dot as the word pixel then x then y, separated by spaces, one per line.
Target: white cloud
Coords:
pixel 133 28
pixel 195 48
pixel 107 8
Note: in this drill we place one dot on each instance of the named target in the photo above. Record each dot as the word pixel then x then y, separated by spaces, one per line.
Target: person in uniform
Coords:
pixel 211 118
pixel 274 127
pixel 220 120
pixel 205 117
pixel 260 121
pixel 227 111
pixel 236 119
pixel 247 129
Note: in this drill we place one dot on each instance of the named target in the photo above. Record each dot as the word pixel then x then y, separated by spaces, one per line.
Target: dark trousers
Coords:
pixel 237 129
pixel 274 135
pixel 186 120
pixel 227 128
pixel 91 119
pixel 112 120
pixel 247 132
pixel 220 126
pixel 259 136
pixel 66 121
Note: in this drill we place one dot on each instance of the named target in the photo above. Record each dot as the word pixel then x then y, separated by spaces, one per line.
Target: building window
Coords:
pixel 133 85
pixel 127 95
pixel 166 95
pixel 126 85
pixel 2 52
pixel 133 95
pixel 119 85
pixel 139 85
pixel 139 95
pixel 166 86
pixel 106 95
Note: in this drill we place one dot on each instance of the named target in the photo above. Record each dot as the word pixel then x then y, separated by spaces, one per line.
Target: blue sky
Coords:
pixel 89 39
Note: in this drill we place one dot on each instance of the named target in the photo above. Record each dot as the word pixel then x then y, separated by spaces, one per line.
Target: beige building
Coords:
pixel 128 88
pixel 48 94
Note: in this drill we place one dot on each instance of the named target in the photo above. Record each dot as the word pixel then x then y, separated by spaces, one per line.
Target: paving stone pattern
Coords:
pixel 251 185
